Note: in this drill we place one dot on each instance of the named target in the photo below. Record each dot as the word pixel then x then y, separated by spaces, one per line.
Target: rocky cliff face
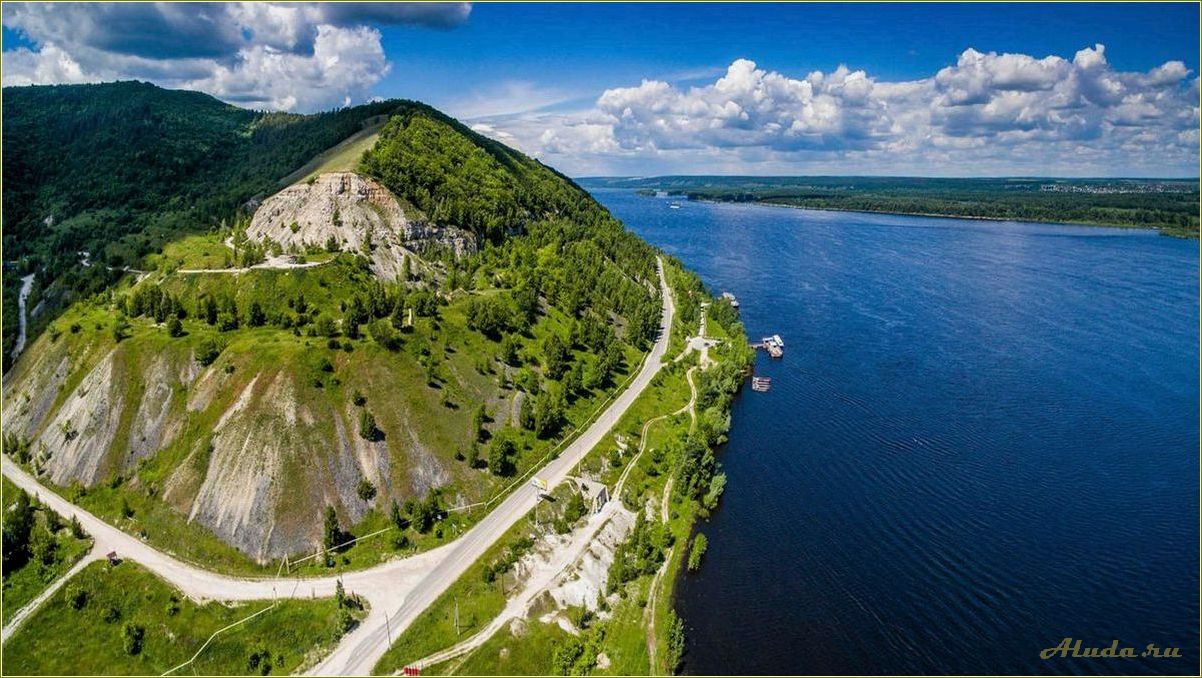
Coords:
pixel 357 212
pixel 258 451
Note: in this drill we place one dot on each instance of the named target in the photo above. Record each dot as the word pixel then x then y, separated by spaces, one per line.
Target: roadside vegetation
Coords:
pixel 614 640
pixel 121 619
pixel 39 547
pixel 480 594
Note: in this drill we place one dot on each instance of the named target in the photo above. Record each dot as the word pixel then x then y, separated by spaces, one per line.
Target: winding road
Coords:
pixel 398 591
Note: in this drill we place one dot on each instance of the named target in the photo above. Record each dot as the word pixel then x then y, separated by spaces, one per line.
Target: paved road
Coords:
pixel 398 591
pixel 361 649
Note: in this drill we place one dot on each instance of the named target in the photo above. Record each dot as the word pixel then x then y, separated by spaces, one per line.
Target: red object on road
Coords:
pixel 412 671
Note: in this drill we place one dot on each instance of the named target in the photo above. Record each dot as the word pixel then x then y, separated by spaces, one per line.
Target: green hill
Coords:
pixel 223 411
pixel 119 169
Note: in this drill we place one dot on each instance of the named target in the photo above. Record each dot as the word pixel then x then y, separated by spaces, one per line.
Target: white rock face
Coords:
pixel 366 212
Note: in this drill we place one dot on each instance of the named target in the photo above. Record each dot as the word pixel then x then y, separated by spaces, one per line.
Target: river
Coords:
pixel 22 320
pixel 982 439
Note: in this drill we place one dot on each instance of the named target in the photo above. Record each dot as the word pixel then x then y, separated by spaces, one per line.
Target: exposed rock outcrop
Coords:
pixel 360 214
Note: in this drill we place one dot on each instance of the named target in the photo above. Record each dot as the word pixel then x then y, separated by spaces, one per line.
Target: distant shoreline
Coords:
pixel 1166 232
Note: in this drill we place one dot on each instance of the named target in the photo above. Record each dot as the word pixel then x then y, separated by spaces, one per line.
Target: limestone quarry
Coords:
pixel 357 213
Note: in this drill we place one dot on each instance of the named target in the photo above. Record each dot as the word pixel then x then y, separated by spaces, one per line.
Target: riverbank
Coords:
pixel 1171 232
pixel 949 387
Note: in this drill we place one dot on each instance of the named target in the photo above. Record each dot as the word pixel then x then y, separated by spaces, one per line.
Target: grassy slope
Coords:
pixel 509 653
pixel 25 583
pixel 295 632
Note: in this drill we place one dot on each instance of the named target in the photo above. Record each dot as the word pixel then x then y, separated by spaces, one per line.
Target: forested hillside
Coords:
pixel 241 396
pixel 119 169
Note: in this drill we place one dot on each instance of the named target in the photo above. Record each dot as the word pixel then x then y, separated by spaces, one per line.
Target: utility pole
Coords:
pixel 457 615
pixel 387 628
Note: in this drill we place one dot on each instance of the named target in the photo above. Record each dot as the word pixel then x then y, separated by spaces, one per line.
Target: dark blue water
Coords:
pixel 982 439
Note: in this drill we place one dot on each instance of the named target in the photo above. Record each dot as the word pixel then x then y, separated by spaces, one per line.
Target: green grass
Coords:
pixel 23 584
pixel 195 251
pixel 343 157
pixel 478 601
pixel 59 640
pixel 526 652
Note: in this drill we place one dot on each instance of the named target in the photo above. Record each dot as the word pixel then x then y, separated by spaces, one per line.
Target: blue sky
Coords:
pixel 586 48
pixel 938 89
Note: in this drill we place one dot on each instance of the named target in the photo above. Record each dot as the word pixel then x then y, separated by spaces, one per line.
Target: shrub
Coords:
pixel 384 335
pixel 675 641
pixel 120 329
pixel 207 352
pixel 367 427
pixel 259 661
pixel 132 636
pixel 77 597
pixel 366 490
pixel 333 534
pixel 500 456
pixel 700 543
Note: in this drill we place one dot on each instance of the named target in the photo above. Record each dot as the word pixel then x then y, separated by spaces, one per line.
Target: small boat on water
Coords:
pixel 761 384
pixel 673 205
pixel 774 345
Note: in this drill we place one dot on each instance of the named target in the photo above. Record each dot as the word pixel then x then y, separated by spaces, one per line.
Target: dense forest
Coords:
pixel 119 169
pixel 1170 205
pixel 460 178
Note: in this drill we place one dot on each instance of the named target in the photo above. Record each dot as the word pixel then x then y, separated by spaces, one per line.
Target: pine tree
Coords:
pixel 333 529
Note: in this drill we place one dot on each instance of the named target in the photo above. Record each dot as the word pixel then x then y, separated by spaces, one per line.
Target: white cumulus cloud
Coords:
pixel 985 113
pixel 281 56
